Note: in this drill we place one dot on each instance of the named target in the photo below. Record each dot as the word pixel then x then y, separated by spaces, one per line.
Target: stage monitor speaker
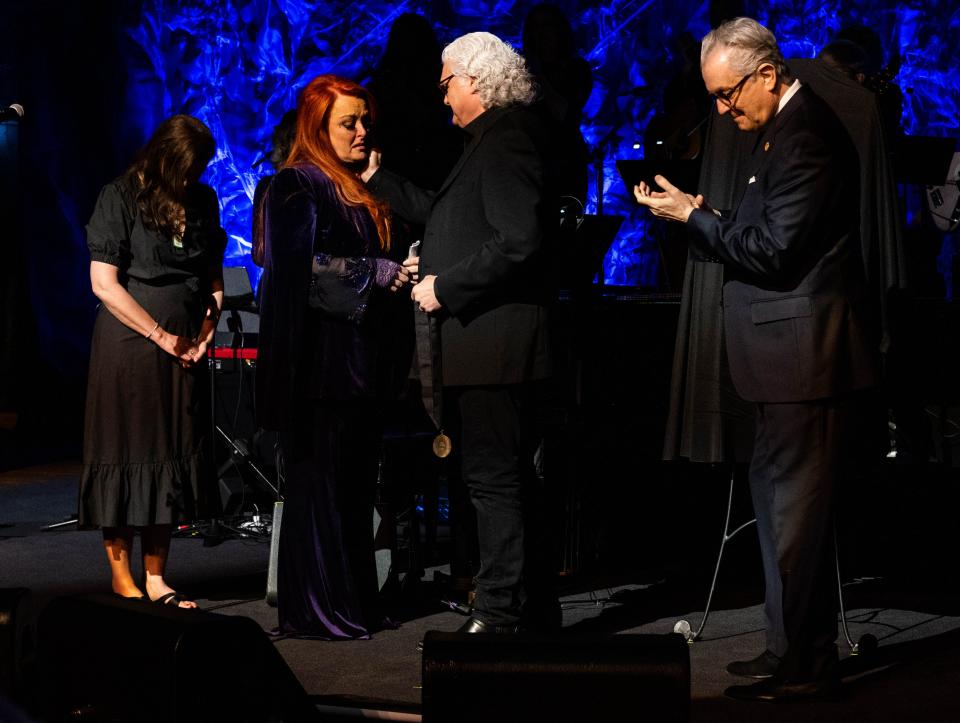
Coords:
pixel 116 659
pixel 468 678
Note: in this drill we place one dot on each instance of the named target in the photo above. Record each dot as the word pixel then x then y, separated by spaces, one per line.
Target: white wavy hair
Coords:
pixel 500 71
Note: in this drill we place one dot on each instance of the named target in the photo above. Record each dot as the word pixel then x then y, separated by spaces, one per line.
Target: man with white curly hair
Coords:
pixel 481 278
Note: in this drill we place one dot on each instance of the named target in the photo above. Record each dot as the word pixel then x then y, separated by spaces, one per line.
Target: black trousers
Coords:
pixel 801 452
pixel 496 430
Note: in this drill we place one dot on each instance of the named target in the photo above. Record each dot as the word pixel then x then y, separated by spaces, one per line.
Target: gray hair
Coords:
pixel 750 45
pixel 501 73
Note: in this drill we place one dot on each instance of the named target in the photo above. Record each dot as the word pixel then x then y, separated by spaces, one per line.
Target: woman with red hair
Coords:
pixel 323 236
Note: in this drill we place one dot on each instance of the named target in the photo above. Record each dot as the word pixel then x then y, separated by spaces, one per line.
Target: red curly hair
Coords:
pixel 311 144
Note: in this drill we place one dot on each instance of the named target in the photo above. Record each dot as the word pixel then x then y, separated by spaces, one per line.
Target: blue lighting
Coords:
pixel 239 65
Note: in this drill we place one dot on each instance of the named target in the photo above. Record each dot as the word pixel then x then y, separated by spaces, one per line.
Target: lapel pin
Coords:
pixel 766 146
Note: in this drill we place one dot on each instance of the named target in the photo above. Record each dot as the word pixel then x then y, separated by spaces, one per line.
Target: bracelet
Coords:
pixel 155 327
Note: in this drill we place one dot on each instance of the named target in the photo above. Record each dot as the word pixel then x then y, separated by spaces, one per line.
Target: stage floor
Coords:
pixel 913 675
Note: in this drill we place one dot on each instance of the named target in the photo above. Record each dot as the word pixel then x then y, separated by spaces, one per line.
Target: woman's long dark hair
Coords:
pixel 173 158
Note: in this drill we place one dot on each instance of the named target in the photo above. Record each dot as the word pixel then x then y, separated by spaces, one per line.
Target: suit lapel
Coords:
pixel 763 149
pixel 757 161
pixel 467 152
pixel 489 119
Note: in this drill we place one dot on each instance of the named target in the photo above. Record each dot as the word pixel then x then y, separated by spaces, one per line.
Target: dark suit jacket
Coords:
pixel 484 241
pixel 795 315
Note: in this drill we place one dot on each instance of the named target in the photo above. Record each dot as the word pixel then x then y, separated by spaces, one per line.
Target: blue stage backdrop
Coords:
pixel 239 65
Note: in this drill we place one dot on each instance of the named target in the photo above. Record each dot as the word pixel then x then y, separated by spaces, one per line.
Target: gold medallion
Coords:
pixel 766 146
pixel 442 445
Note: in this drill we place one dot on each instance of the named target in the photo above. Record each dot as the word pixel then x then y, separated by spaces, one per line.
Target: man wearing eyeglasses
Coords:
pixel 481 278
pixel 799 345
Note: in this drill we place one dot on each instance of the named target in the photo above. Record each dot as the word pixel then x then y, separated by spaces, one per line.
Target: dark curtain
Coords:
pixel 64 63
pixel 707 421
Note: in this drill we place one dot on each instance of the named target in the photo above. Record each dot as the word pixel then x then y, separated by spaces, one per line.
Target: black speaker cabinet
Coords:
pixel 107 659
pixel 470 678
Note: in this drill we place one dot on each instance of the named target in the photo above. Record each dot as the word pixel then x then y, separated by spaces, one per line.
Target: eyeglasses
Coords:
pixel 730 97
pixel 442 85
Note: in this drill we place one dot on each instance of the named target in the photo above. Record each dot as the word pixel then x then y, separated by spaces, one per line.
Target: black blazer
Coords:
pixel 796 319
pixel 484 240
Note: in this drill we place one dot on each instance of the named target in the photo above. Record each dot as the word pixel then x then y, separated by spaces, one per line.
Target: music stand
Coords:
pixel 933 167
pixel 580 242
pixel 923 160
pixel 595 234
pixel 241 312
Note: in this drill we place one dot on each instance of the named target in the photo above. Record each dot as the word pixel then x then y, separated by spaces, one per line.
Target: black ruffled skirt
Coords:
pixel 146 452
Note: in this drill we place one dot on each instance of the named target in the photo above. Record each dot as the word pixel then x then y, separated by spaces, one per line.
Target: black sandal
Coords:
pixel 172 598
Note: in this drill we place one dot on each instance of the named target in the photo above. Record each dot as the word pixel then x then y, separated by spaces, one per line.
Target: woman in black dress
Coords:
pixel 156 249
pixel 324 279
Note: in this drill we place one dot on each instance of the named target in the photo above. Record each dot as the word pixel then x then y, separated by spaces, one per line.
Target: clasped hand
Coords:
pixel 190 351
pixel 671 203
pixel 422 293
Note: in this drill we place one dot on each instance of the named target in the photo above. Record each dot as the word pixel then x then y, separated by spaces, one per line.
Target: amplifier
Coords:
pixel 228 359
pixel 226 352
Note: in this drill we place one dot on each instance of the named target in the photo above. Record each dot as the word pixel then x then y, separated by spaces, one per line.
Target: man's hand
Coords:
pixel 412 265
pixel 424 295
pixel 373 165
pixel 671 203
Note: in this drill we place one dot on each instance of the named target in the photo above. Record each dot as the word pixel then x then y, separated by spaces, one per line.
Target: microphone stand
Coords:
pixel 597 156
pixel 239 450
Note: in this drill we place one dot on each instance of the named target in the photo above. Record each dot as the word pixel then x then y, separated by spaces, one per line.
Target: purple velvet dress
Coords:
pixel 315 384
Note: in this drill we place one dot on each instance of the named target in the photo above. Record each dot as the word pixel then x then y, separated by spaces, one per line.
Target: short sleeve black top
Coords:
pixel 116 235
